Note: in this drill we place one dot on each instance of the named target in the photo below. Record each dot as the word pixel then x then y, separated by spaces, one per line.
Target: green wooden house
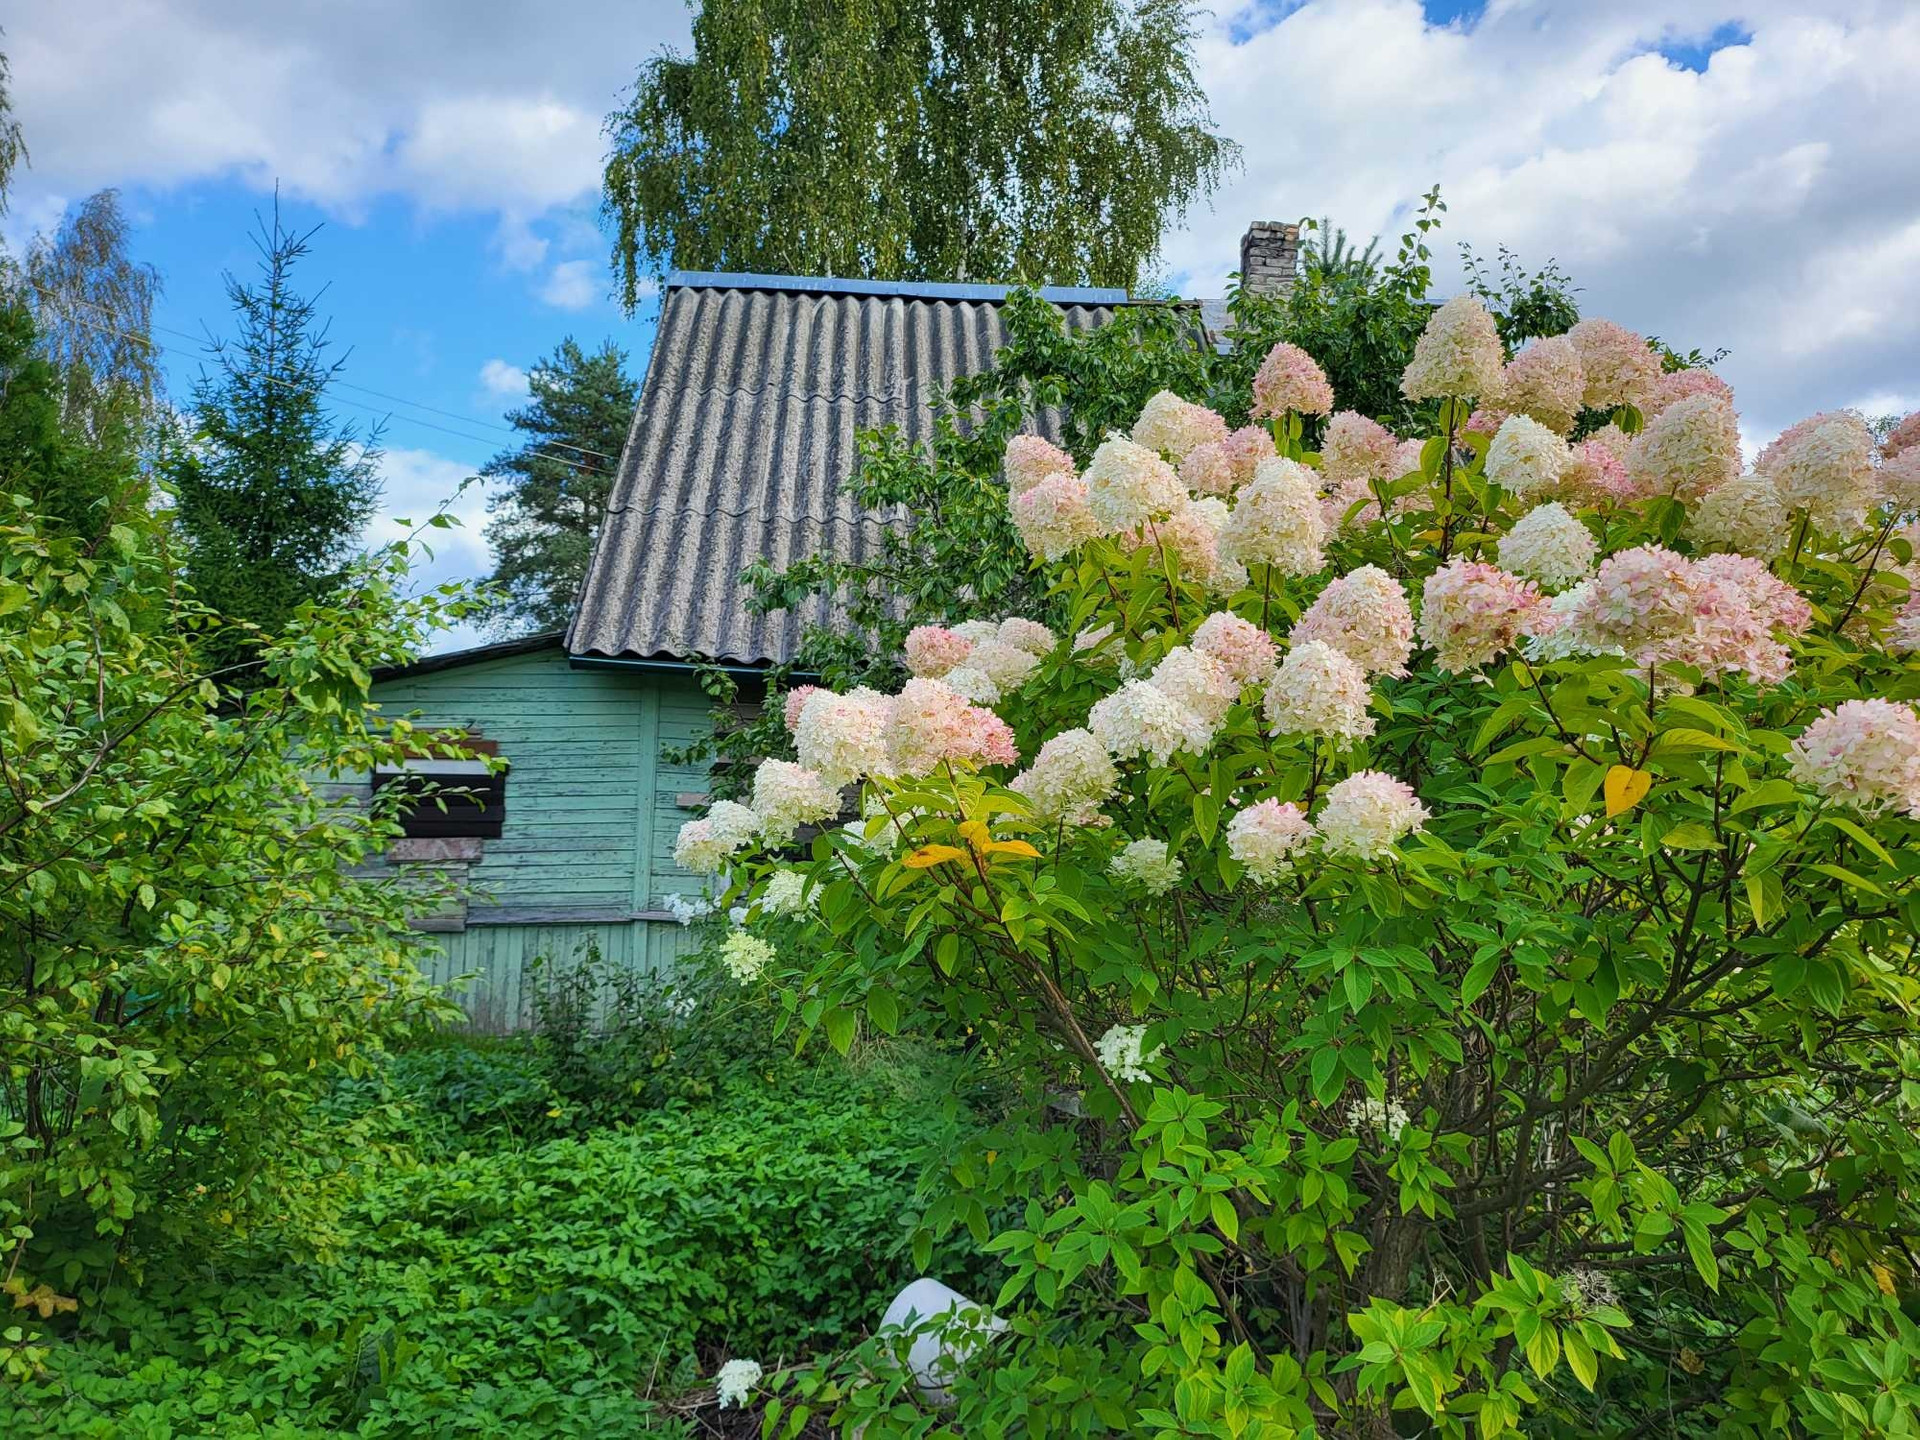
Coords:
pixel 755 390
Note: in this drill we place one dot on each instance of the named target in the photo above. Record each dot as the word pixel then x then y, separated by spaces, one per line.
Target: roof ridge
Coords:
pixel 903 289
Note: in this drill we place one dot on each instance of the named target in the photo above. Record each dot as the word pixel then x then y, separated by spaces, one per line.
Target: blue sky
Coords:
pixel 1722 172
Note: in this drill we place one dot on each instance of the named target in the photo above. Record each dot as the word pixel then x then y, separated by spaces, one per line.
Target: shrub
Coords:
pixel 1490 1007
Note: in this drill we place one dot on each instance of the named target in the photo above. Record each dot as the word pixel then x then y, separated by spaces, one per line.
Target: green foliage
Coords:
pixel 186 957
pixel 271 491
pixel 566 1288
pixel 1584 1110
pixel 1525 306
pixel 988 140
pixel 558 483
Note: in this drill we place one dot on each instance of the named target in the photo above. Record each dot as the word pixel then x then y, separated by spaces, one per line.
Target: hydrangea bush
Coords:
pixel 1449 907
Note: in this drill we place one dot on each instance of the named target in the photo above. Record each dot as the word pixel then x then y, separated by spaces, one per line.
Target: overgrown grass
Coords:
pixel 564 1252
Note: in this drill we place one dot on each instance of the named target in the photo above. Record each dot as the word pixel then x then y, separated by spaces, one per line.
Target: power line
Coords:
pixel 271 379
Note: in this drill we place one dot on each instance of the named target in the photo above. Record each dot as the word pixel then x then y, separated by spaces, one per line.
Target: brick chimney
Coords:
pixel 1268 252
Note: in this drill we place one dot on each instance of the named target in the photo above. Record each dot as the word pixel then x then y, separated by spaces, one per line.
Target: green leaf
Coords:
pixel 1225 1216
pixel 1479 976
pixel 1326 1073
pixel 839 1023
pixel 883 1008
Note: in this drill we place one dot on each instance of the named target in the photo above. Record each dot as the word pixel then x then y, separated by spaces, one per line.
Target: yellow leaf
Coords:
pixel 1625 788
pixel 974 832
pixel 1690 1360
pixel 1883 1277
pixel 929 855
pixel 1011 847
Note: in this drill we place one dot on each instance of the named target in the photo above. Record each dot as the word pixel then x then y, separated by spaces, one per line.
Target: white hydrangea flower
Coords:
pixel 1526 457
pixel 1368 813
pixel 1383 1117
pixel 686 909
pixel 1148 864
pixel 1265 838
pixel 785 894
pixel 1028 635
pixel 736 1381
pixel 971 683
pixel 843 738
pixel 1458 354
pixel 1137 719
pixel 1069 779
pixel 1319 691
pixel 705 845
pixel 1174 427
pixel 1276 520
pixel 1196 680
pixel 1119 1051
pixel 745 955
pixel 1007 666
pixel 977 632
pixel 1549 544
pixel 787 796
pixel 1744 515
pixel 1691 449
pixel 1128 485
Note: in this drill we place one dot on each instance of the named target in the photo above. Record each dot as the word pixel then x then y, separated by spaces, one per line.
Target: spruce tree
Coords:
pixel 559 479
pixel 272 490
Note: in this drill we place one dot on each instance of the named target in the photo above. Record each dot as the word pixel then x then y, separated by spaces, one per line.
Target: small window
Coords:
pixel 449 798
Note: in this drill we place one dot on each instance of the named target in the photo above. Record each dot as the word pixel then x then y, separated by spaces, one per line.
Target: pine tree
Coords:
pixel 272 491
pixel 543 524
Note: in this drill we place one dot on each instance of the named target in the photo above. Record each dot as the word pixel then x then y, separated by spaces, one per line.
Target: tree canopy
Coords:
pixel 272 490
pixel 986 140
pixel 542 525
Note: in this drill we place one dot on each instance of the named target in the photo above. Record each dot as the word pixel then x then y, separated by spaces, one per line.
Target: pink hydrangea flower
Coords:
pixel 1368 813
pixel 1220 467
pixel 1637 598
pixel 1616 365
pixel 933 650
pixel 1243 647
pixel 1266 836
pixel 1864 754
pixel 1472 612
pixel 1054 516
pixel 1545 381
pixel 1289 379
pixel 787 796
pixel 1031 459
pixel 1903 436
pixel 1596 477
pixel 932 725
pixel 1776 602
pixel 1899 481
pixel 1174 427
pixel 1824 466
pixel 797 699
pixel 1486 420
pixel 1683 385
pixel 1356 448
pixel 1364 614
pixel 843 738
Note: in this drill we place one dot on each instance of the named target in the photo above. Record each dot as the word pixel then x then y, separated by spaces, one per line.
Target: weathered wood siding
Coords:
pixel 591 813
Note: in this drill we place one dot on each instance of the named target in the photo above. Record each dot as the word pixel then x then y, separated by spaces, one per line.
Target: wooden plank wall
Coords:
pixel 591 814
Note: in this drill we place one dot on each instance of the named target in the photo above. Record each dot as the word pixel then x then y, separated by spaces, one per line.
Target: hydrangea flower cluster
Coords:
pixel 1140 720
pixel 787 796
pixel 1596 474
pixel 1070 779
pixel 1196 680
pixel 1148 864
pixel 1526 457
pixel 1219 467
pixel 705 845
pixel 1745 514
pixel 1364 614
pixel 843 738
pixel 1903 436
pixel 1119 1052
pixel 1055 516
pixel 1824 467
pixel 745 955
pixel 1385 1118
pixel 931 651
pixel 1472 612
pixel 1030 459
pixel 1690 449
pixel 1545 381
pixel 1367 814
pixel 1247 651
pixel 1276 520
pixel 1318 691
pixel 1176 427
pixel 1289 379
pixel 1864 754
pixel 1549 544
pixel 1266 837
pixel 1618 366
pixel 1457 355
pixel 934 725
pixel 1683 385
pixel 785 894
pixel 1128 485
pixel 735 1382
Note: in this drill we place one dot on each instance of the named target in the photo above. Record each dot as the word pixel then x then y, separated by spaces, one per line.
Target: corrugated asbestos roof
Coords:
pixel 744 433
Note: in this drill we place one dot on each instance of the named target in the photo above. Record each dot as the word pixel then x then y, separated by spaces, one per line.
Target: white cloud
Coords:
pixel 573 285
pixel 1770 203
pixel 502 381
